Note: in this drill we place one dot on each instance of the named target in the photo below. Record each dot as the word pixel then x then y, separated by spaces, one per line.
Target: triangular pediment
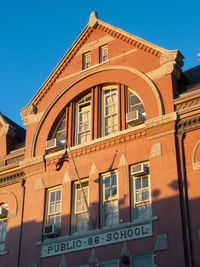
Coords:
pixel 95 34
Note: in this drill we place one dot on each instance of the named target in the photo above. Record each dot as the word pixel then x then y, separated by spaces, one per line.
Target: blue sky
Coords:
pixel 34 36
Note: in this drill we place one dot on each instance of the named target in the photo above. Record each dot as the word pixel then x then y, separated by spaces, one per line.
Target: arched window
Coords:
pixel 135 109
pixel 3 225
pixel 59 132
pixel 114 108
pixel 134 102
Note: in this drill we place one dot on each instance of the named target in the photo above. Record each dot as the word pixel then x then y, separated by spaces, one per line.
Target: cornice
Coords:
pixel 185 105
pixel 188 124
pixel 110 143
pixel 11 178
pixel 100 144
pixel 161 120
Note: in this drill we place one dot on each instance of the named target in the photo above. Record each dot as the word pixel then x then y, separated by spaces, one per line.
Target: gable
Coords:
pixel 124 49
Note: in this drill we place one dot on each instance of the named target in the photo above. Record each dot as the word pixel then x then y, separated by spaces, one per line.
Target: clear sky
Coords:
pixel 35 35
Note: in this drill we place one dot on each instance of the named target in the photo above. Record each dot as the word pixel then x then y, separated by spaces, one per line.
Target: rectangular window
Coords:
pixel 3 228
pixel 103 53
pixel 110 200
pixel 143 261
pixel 109 116
pixel 141 196
pixel 53 207
pixel 86 61
pixel 80 218
pixel 111 263
pixel 83 121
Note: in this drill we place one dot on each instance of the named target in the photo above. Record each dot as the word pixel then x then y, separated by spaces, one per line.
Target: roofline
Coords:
pixel 57 67
pixel 93 22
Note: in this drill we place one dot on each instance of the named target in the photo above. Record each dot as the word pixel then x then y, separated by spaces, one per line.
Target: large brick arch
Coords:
pixel 130 77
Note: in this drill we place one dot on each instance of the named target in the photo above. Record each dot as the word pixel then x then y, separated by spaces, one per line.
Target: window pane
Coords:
pixel 107 193
pixel 58 195
pixel 57 207
pixel 107 182
pixel 142 211
pixel 145 195
pixel 138 183
pixel 143 261
pixel 52 208
pixel 114 179
pixel 114 191
pixel 145 181
pixel 138 196
pixel 134 103
pixel 52 198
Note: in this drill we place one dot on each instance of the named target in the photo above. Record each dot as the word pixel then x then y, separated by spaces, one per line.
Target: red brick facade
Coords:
pixel 123 104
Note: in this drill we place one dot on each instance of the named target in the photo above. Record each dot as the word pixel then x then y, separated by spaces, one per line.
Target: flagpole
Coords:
pixel 88 209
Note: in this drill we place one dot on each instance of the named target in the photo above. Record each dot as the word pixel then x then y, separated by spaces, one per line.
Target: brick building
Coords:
pixel 131 117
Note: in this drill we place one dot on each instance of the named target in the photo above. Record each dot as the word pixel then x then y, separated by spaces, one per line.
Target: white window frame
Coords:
pixel 130 107
pixel 107 263
pixel 138 257
pixel 104 201
pixel 3 229
pixel 86 61
pixel 109 90
pixel 134 202
pixel 103 53
pixel 58 132
pixel 48 213
pixel 81 103
pixel 76 188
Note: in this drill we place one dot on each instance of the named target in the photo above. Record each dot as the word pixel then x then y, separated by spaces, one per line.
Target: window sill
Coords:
pixel 96 65
pixel 98 140
pixel 99 231
pixel 3 252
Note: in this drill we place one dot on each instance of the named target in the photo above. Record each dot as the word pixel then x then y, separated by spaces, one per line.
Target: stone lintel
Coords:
pixel 32 161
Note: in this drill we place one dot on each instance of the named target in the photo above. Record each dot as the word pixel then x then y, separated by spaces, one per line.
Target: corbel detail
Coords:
pixel 29 115
pixel 170 63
